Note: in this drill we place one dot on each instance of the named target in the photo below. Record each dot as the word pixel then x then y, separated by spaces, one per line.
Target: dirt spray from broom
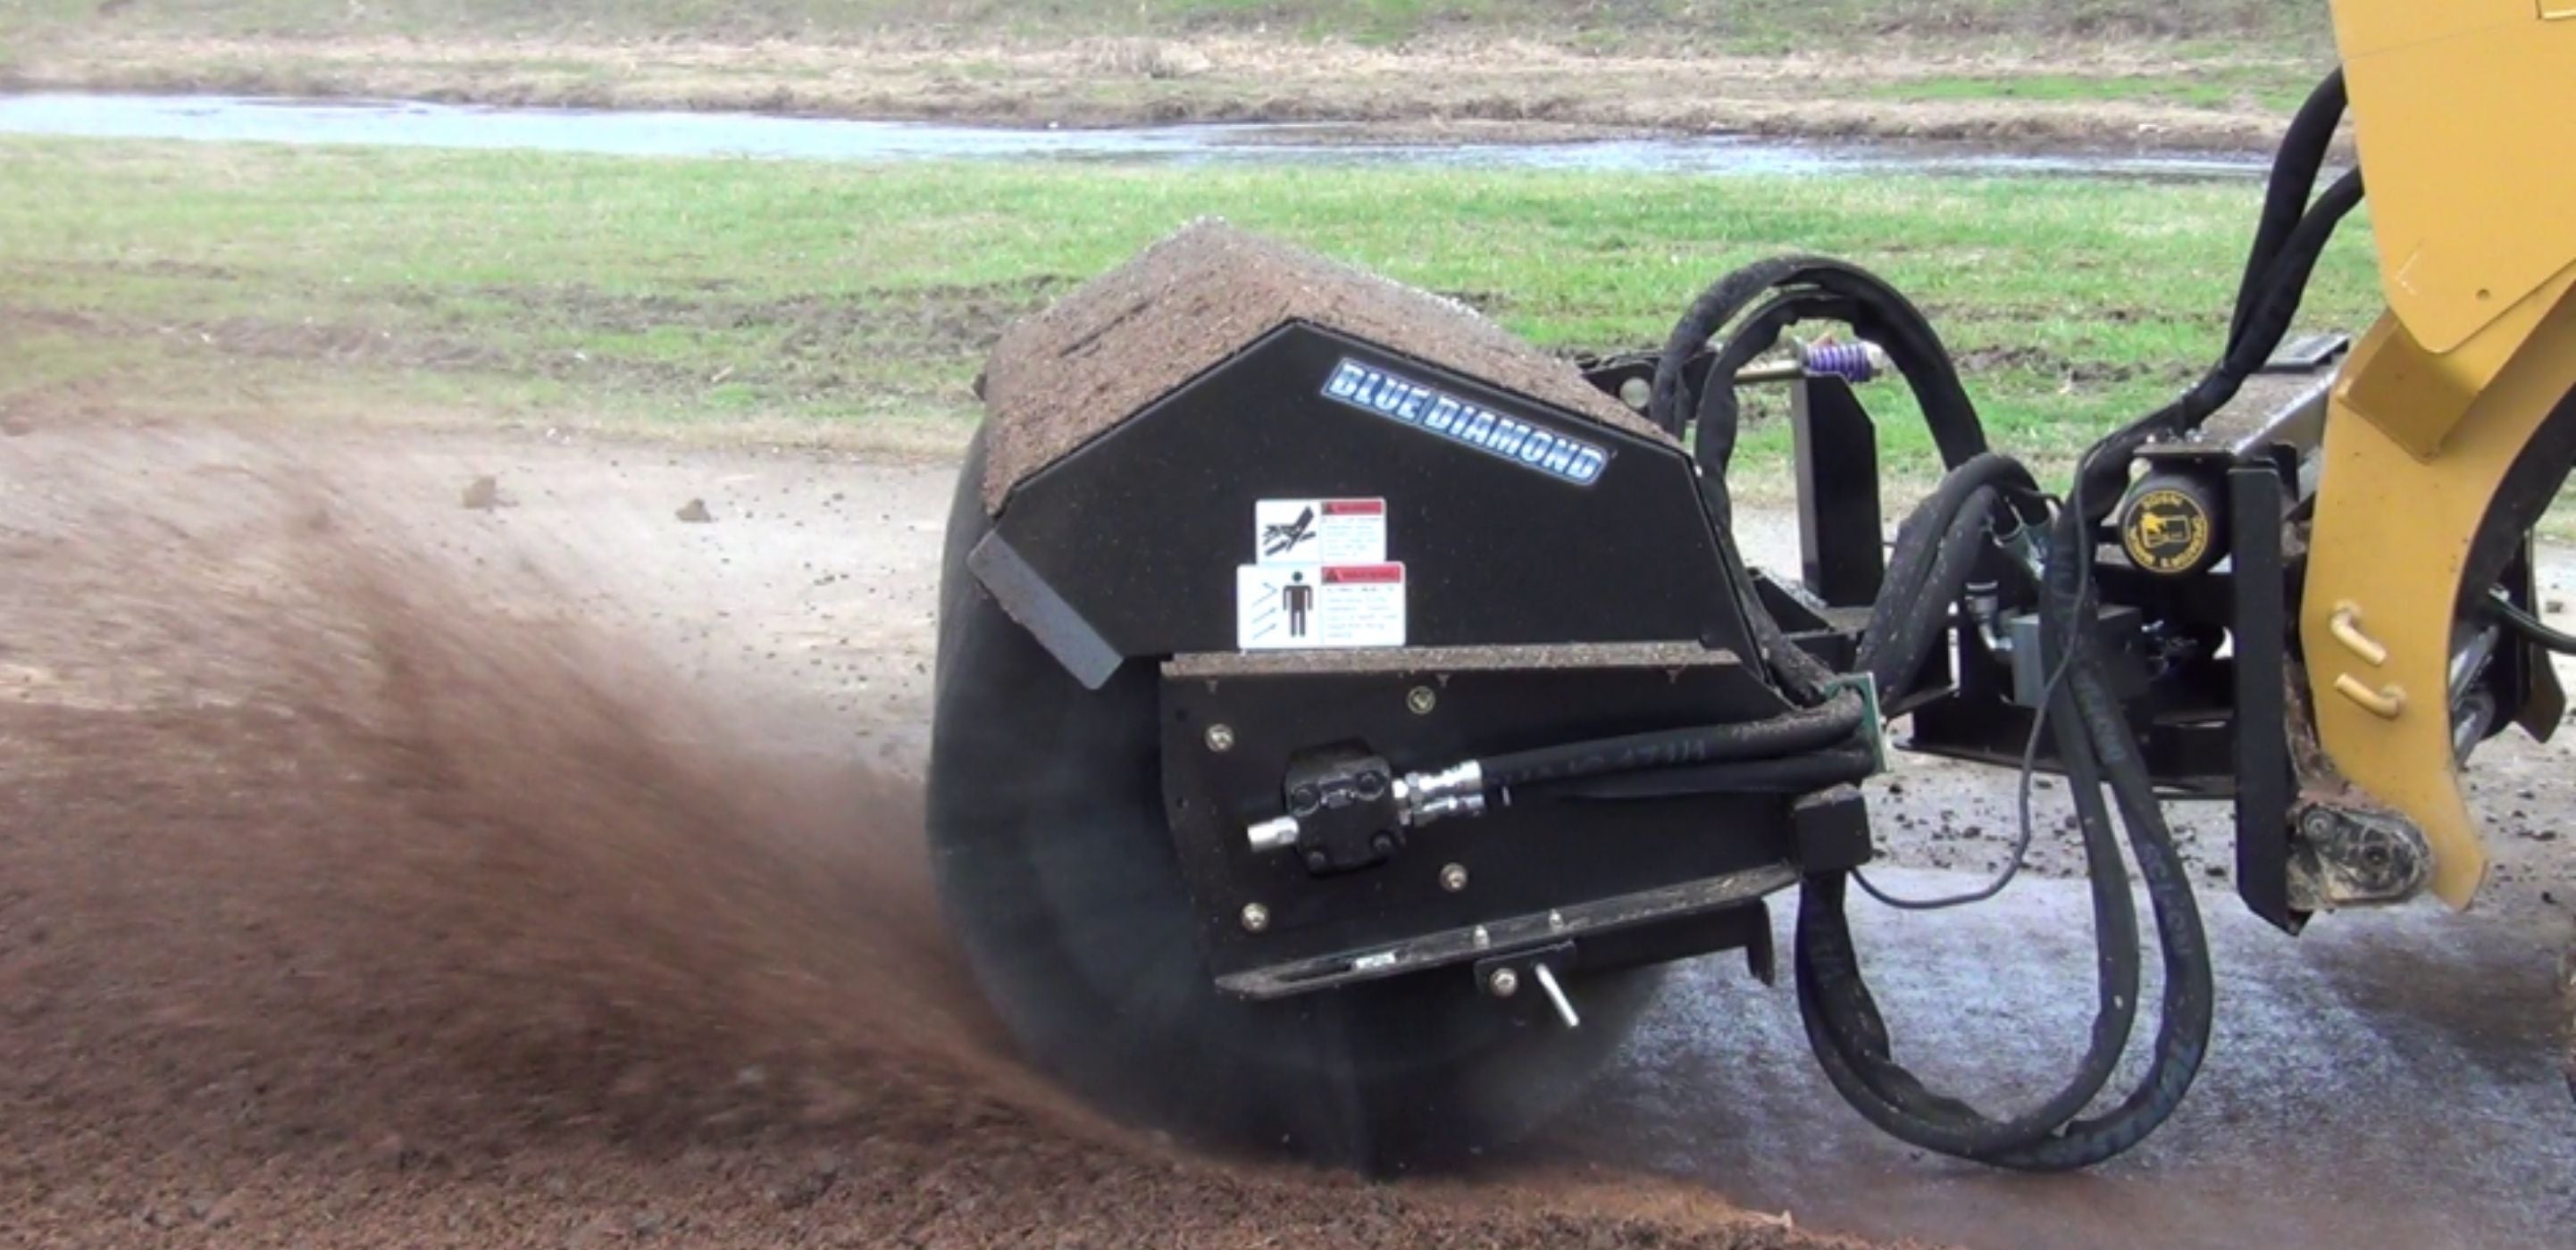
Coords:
pixel 353 893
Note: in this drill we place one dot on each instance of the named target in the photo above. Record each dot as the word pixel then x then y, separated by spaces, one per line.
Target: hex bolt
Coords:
pixel 1255 917
pixel 1556 920
pixel 1317 861
pixel 1220 738
pixel 1421 700
pixel 1502 983
pixel 1453 877
pixel 1382 843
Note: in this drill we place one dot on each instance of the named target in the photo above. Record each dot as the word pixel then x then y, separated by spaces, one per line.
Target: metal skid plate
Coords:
pixel 1528 872
pixel 1564 926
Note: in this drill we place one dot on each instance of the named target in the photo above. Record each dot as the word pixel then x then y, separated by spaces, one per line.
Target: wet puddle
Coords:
pixel 619 133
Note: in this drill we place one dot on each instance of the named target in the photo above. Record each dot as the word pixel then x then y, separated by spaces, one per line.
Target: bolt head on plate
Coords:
pixel 1255 917
pixel 1220 738
pixel 1421 700
pixel 1453 877
pixel 1502 983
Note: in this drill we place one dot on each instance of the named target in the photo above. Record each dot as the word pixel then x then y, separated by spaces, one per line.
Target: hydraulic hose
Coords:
pixel 1935 555
pixel 2530 628
pixel 1983 510
pixel 2266 322
pixel 1937 547
pixel 1795 733
pixel 1797 287
pixel 1849 1036
pixel 1797 774
pixel 2285 195
pixel 1955 530
pixel 2288 240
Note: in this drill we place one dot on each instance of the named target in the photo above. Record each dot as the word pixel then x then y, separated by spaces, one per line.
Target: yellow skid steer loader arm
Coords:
pixel 2454 421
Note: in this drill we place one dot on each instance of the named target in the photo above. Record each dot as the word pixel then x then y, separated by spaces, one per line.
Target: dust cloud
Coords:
pixel 352 893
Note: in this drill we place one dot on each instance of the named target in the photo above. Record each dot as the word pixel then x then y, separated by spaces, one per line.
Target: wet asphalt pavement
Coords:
pixel 2386 1079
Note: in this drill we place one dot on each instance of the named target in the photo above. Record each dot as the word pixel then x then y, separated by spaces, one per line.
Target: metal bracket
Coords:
pixel 1835 449
pixel 1871 726
pixel 1058 626
pixel 1513 935
pixel 2354 855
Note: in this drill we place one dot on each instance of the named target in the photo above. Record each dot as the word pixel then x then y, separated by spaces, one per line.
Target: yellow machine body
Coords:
pixel 2461 110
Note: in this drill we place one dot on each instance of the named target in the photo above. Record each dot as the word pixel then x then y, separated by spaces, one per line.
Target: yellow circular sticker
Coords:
pixel 2166 531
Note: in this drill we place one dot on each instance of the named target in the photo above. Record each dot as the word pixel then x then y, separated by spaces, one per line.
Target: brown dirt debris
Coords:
pixel 352 896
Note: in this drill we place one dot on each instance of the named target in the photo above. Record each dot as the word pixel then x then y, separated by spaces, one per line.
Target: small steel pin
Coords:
pixel 1556 995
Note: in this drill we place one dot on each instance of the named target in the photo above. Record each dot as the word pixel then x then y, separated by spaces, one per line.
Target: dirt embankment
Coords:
pixel 1477 88
pixel 356 888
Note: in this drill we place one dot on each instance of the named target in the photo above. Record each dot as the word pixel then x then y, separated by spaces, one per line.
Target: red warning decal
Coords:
pixel 1319 531
pixel 1288 606
pixel 1363 574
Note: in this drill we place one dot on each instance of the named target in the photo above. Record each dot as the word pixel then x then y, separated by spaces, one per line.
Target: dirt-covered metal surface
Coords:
pixel 1121 341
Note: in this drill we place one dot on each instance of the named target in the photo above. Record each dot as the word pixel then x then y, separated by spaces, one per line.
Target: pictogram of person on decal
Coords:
pixel 1297 597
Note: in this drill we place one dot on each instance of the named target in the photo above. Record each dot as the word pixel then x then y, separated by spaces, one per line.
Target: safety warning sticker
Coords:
pixel 1319 531
pixel 1281 607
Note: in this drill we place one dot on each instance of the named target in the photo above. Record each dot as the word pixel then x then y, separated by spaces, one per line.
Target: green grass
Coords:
pixel 2278 88
pixel 544 288
pixel 1807 23
pixel 864 57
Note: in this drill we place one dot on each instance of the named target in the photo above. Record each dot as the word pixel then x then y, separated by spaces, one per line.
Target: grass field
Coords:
pixel 1773 23
pixel 2220 86
pixel 344 284
pixel 2208 74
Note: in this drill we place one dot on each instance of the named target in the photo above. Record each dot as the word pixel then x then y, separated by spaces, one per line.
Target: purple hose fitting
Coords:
pixel 1848 361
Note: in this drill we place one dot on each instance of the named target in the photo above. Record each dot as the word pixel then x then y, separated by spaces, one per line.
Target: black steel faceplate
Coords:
pixel 1134 538
pixel 1521 861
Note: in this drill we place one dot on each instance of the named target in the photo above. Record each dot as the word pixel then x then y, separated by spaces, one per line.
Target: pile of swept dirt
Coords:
pixel 353 896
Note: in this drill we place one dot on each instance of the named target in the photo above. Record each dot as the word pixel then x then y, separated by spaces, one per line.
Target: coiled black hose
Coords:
pixel 1985 501
pixel 1849 1036
pixel 1795 288
pixel 1938 550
